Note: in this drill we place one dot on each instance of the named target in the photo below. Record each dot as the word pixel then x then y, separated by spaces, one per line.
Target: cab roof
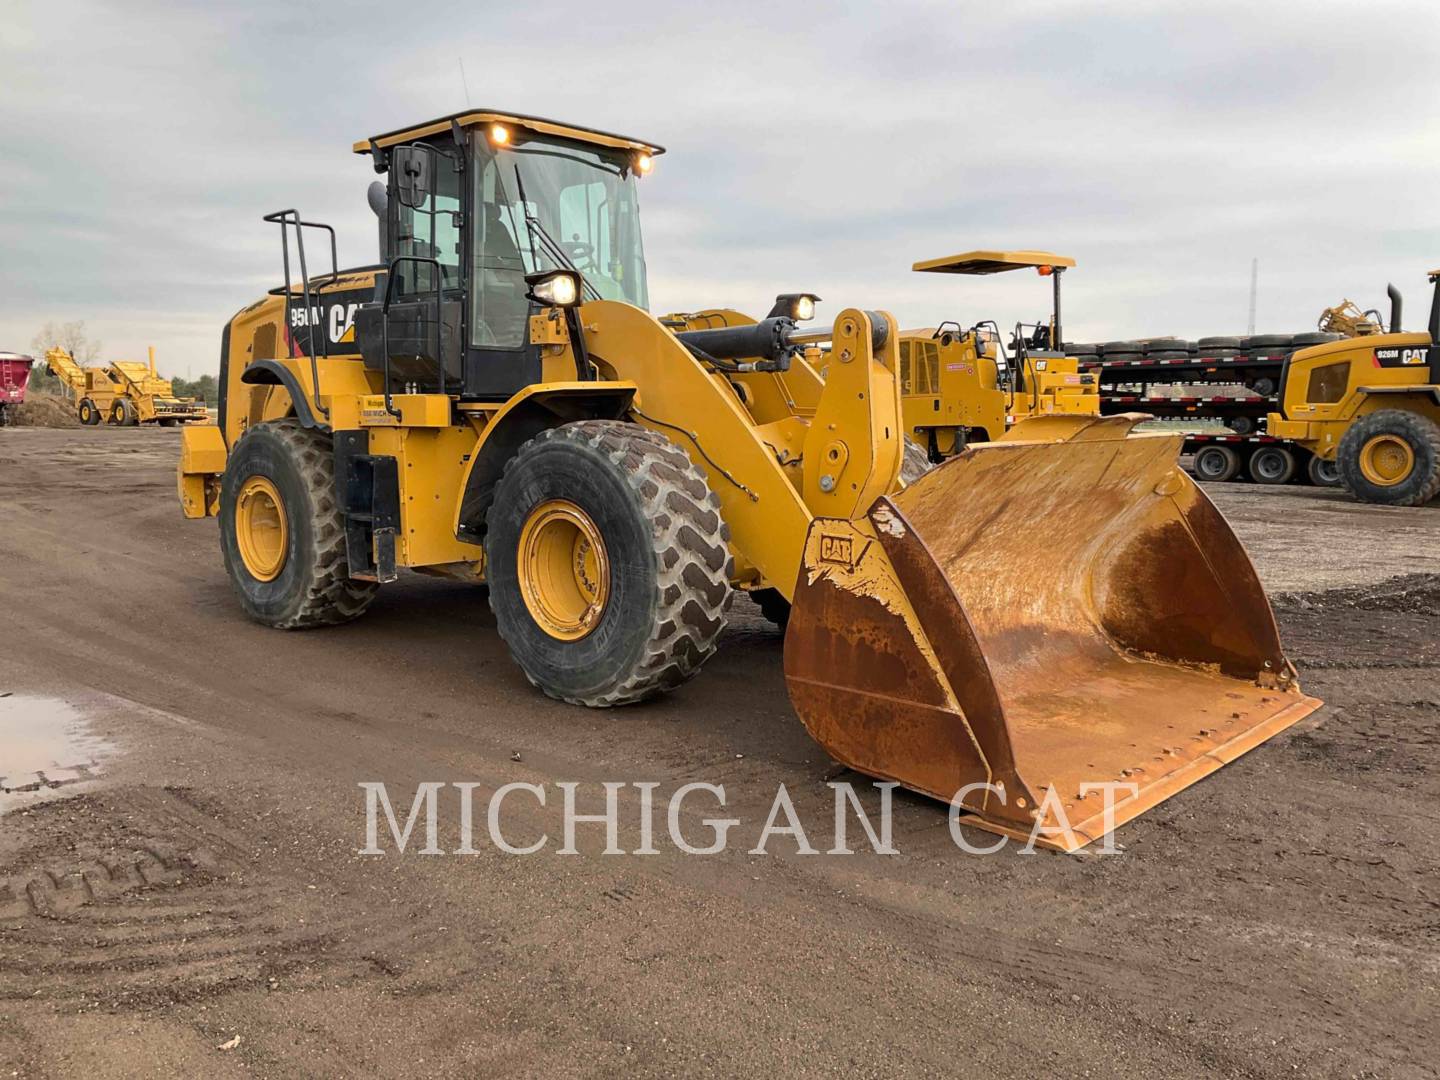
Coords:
pixel 474 117
pixel 992 262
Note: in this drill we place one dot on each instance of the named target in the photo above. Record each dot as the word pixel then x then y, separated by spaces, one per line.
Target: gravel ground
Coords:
pixel 189 896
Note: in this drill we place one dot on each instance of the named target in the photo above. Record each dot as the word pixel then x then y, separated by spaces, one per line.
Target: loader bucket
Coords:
pixel 1061 609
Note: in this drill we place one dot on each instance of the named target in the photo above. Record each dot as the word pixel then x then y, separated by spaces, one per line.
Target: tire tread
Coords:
pixel 691 543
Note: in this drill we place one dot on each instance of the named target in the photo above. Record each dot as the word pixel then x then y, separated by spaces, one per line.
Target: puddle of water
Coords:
pixel 45 747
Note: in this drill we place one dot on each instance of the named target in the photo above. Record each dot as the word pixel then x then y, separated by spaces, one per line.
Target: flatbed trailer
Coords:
pixel 1127 385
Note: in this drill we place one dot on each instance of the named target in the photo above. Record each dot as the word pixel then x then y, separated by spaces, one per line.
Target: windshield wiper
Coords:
pixel 547 242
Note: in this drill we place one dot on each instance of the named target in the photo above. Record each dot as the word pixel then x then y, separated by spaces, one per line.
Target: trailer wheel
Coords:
pixel 609 563
pixel 88 413
pixel 282 533
pixel 1323 473
pixel 1264 386
pixel 1391 456
pixel 1216 464
pixel 1242 425
pixel 1272 465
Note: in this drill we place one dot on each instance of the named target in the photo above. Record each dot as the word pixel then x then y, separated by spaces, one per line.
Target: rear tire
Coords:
pixel 1216 464
pixel 640 603
pixel 123 413
pixel 1391 457
pixel 1323 473
pixel 311 585
pixel 1272 465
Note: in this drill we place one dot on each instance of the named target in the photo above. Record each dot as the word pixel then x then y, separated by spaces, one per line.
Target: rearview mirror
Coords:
pixel 412 171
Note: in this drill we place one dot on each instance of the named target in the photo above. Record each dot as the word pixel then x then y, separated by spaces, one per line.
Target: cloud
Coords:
pixel 820 147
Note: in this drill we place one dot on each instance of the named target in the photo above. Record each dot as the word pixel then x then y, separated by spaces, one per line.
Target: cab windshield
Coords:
pixel 578 199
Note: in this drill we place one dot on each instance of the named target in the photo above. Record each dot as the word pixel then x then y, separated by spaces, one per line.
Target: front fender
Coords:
pixel 531 411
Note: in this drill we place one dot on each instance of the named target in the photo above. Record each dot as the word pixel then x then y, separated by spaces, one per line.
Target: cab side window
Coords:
pixel 430 230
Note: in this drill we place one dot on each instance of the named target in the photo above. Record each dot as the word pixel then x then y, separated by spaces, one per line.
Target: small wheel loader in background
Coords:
pixel 494 401
pixel 960 386
pixel 1370 404
pixel 124 393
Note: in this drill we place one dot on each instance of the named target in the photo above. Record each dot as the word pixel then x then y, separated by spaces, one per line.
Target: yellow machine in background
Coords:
pixel 961 386
pixel 1371 404
pixel 498 404
pixel 1346 318
pixel 125 392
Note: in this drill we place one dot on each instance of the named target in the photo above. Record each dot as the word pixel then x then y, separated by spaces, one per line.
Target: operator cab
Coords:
pixel 477 207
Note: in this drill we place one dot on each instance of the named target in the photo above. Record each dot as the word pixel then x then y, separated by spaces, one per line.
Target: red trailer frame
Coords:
pixel 14 378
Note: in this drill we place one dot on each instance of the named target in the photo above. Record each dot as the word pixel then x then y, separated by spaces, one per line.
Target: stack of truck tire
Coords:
pixel 1226 385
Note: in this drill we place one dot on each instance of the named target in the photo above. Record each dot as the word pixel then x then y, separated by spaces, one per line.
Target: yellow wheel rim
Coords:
pixel 261 531
pixel 1386 460
pixel 563 569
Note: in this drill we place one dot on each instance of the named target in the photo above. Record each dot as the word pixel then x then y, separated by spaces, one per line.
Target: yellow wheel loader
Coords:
pixel 493 401
pixel 1370 404
pixel 124 393
pixel 961 386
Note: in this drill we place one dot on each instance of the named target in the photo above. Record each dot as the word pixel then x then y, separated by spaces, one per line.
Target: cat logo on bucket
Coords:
pixel 837 549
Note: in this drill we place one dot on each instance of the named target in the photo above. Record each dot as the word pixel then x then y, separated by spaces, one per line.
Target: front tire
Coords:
pixel 88 413
pixel 282 533
pixel 608 561
pixel 1391 457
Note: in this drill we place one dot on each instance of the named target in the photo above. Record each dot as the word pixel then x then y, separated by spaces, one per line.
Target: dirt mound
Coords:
pixel 44 410
pixel 1412 593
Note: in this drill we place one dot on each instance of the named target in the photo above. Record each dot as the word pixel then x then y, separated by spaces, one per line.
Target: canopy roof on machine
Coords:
pixel 472 117
pixel 993 262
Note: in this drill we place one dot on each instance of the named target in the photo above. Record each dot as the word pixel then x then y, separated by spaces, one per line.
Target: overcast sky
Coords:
pixel 811 146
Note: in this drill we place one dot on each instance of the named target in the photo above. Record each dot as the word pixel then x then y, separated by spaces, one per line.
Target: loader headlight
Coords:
pixel 798 306
pixel 644 163
pixel 499 134
pixel 554 288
